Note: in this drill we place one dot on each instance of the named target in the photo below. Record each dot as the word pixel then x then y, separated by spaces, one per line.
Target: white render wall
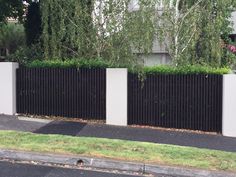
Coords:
pixel 8 88
pixel 117 97
pixel 155 59
pixel 229 105
pixel 233 19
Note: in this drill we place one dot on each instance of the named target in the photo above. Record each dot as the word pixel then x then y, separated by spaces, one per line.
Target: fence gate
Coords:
pixel 62 92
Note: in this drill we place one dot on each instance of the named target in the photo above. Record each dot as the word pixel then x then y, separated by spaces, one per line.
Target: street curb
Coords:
pixel 108 164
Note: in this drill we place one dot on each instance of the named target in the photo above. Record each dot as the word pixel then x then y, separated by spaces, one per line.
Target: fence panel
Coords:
pixel 62 92
pixel 176 101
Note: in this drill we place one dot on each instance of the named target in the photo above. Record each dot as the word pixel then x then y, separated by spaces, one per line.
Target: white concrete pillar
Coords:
pixel 117 96
pixel 8 87
pixel 229 105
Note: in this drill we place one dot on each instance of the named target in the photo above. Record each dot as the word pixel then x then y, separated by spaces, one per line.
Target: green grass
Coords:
pixel 120 150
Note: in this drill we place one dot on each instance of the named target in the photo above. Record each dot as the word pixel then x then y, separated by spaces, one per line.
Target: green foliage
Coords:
pixel 105 29
pixel 33 24
pixel 194 30
pixel 75 63
pixel 67 28
pixel 26 54
pixel 214 26
pixel 12 36
pixel 108 29
pixel 187 69
pixel 69 63
pixel 11 8
pixel 228 59
pixel 100 63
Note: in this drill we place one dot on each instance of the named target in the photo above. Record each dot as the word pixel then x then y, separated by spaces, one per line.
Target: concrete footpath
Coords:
pixel 208 141
pixel 106 164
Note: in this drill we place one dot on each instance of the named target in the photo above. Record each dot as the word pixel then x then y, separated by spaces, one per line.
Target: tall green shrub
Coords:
pixel 12 36
pixel 67 28
pixel 94 29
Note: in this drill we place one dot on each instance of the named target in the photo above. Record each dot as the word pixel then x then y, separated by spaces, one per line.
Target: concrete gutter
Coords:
pixel 108 164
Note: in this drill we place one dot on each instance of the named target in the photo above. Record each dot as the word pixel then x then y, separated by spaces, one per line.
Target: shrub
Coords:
pixel 12 36
pixel 100 63
pixel 26 54
pixel 188 69
pixel 72 63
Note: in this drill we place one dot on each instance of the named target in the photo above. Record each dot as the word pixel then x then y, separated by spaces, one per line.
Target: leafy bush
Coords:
pixel 72 63
pixel 100 63
pixel 12 36
pixel 25 54
pixel 189 69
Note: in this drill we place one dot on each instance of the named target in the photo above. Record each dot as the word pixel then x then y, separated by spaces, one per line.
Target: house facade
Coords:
pixel 233 19
pixel 159 53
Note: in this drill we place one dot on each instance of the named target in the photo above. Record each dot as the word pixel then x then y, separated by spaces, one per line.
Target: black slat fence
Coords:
pixel 62 92
pixel 176 101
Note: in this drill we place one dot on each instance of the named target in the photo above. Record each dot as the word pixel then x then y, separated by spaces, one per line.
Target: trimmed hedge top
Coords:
pixel 189 69
pixel 73 63
pixel 99 63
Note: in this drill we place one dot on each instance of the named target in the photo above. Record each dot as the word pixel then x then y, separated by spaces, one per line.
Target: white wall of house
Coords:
pixel 158 56
pixel 155 59
pixel 233 19
pixel 134 5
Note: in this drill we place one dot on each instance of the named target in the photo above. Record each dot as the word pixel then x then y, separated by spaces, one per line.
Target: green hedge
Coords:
pixel 99 63
pixel 73 63
pixel 189 69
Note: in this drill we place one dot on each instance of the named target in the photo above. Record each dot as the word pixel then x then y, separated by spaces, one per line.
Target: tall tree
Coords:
pixel 176 25
pixel 104 28
pixel 191 30
pixel 215 27
pixel 194 30
pixel 66 27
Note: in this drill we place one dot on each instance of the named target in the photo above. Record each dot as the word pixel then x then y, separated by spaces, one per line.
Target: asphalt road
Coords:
pixel 8 169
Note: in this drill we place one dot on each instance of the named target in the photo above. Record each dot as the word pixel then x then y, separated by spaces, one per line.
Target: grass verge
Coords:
pixel 120 150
